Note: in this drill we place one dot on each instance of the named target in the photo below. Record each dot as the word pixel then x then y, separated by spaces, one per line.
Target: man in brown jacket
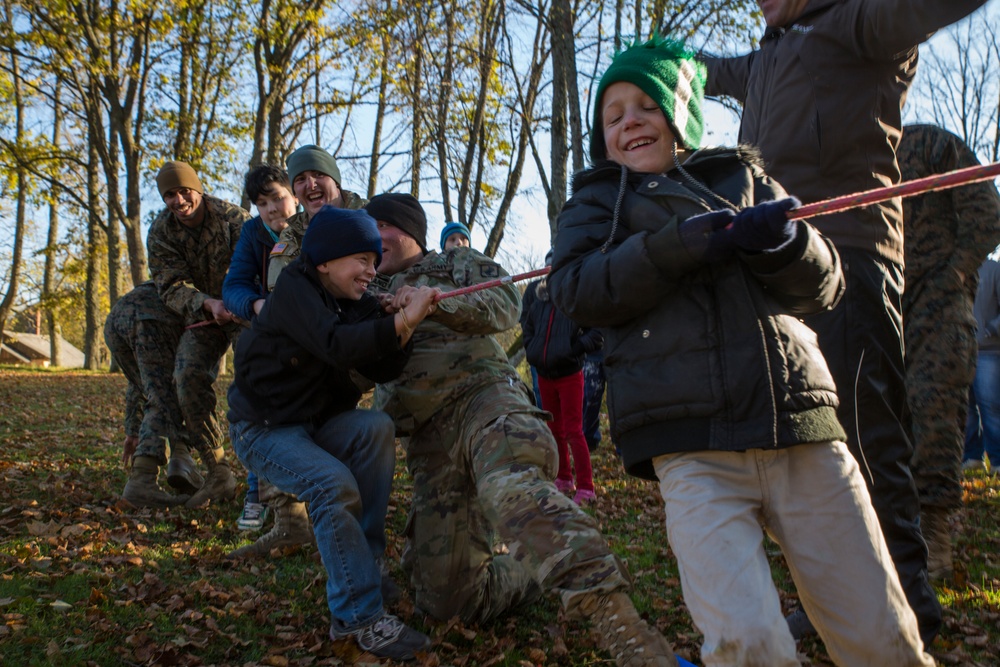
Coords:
pixel 823 100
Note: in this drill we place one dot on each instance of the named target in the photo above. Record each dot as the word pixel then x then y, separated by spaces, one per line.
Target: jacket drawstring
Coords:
pixel 618 209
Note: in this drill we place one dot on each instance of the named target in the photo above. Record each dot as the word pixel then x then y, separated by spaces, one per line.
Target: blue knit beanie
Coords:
pixel 339 232
pixel 454 228
pixel 312 158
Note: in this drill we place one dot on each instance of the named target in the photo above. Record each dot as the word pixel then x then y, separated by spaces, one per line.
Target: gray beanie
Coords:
pixel 312 158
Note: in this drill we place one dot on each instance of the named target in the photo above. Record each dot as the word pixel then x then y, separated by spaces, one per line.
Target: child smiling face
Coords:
pixel 636 131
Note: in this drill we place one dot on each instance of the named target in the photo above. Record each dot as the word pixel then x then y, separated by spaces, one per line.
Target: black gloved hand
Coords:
pixel 765 226
pixel 705 236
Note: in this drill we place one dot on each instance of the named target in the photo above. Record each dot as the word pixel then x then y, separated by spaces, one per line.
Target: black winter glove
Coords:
pixel 705 236
pixel 766 226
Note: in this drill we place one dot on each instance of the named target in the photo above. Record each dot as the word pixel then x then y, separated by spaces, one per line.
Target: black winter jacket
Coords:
pixel 554 344
pixel 292 365
pixel 698 356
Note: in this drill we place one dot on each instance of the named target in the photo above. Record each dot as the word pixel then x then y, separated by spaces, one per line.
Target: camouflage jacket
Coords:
pixel 954 228
pixel 456 360
pixel 142 303
pixel 289 243
pixel 189 265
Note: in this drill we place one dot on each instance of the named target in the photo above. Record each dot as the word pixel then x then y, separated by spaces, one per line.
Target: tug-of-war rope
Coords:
pixel 918 186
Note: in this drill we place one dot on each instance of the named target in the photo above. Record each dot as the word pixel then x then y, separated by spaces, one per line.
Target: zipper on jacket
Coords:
pixel 548 333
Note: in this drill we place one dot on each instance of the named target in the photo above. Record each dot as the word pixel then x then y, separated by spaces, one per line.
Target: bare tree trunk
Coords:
pixel 48 282
pixel 416 101
pixel 22 194
pixel 383 87
pixel 444 97
pixel 560 20
pixel 92 301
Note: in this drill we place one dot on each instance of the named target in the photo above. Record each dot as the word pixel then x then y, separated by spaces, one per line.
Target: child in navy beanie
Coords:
pixel 295 422
pixel 338 232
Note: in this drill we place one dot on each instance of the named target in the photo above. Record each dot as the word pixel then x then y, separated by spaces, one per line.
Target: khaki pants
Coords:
pixel 812 500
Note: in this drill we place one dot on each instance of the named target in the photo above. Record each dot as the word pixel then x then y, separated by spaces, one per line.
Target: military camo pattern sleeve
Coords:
pixel 189 265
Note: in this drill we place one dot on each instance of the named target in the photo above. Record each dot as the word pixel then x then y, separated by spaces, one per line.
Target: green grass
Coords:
pixel 86 579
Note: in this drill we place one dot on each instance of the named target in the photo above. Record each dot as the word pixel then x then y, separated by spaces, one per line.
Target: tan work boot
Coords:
pixel 182 472
pixel 936 527
pixel 142 489
pixel 219 485
pixel 623 633
pixel 291 527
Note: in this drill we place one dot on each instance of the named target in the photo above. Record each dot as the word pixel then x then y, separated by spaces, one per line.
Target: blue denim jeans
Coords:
pixel 982 432
pixel 343 470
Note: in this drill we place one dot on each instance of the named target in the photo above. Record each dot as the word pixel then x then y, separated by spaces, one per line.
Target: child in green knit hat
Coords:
pixel 686 259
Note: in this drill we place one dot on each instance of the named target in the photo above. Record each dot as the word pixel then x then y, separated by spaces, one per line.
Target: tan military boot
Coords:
pixel 291 527
pixel 936 527
pixel 142 489
pixel 623 633
pixel 219 485
pixel 182 472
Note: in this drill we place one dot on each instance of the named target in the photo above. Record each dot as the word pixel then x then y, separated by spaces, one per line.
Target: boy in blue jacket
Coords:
pixel 687 261
pixel 245 286
pixel 294 416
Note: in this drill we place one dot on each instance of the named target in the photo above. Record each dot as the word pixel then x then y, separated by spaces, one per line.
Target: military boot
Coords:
pixel 219 485
pixel 142 489
pixel 936 527
pixel 182 472
pixel 623 633
pixel 291 527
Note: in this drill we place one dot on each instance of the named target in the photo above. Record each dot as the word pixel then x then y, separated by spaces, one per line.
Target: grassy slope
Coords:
pixel 86 579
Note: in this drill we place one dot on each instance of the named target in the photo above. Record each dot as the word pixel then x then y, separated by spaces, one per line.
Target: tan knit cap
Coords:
pixel 177 175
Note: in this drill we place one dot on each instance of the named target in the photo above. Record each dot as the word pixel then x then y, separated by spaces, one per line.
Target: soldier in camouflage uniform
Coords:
pixel 947 235
pixel 142 334
pixel 482 459
pixel 315 179
pixel 190 244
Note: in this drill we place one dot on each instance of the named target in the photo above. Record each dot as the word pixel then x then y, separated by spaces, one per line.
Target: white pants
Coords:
pixel 812 501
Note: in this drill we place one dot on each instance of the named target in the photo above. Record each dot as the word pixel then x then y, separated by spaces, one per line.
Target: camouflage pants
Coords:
pixel 144 351
pixel 940 339
pixel 498 477
pixel 199 354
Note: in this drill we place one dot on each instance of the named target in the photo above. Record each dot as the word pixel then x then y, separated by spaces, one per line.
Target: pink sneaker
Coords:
pixel 565 486
pixel 585 497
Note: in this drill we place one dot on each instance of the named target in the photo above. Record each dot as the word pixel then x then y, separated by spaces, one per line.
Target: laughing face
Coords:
pixel 348 277
pixel 186 205
pixel 636 133
pixel 315 189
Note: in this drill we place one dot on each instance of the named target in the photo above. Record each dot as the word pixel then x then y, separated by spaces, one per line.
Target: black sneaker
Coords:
pixel 388 637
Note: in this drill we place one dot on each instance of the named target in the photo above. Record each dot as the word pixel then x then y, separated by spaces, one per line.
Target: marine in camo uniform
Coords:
pixel 190 244
pixel 483 460
pixel 141 334
pixel 947 235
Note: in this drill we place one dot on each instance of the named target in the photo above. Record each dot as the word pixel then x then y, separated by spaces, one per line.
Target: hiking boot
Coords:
pixel 935 526
pixel 388 637
pixel 219 485
pixel 622 632
pixel 142 489
pixel 799 624
pixel 182 472
pixel 291 527
pixel 253 517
